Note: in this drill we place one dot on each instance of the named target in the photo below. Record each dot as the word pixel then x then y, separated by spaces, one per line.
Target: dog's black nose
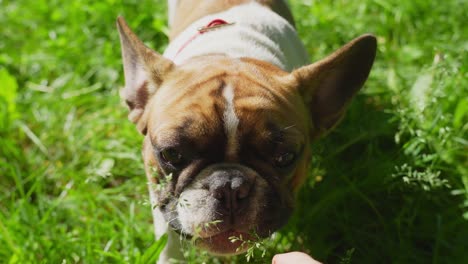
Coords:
pixel 231 188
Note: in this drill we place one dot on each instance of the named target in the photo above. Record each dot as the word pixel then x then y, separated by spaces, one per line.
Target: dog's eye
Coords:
pixel 284 159
pixel 171 156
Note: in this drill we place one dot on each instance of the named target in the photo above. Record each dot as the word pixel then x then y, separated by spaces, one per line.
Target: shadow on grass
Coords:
pixel 352 207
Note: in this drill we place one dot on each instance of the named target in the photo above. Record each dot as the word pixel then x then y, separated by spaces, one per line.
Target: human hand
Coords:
pixel 293 257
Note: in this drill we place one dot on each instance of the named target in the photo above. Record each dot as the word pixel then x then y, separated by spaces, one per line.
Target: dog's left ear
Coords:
pixel 144 71
pixel 328 85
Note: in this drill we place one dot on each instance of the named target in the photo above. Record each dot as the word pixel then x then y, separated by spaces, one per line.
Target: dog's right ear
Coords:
pixel 144 71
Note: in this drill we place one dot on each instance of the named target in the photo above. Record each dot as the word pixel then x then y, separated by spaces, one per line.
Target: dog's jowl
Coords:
pixel 228 113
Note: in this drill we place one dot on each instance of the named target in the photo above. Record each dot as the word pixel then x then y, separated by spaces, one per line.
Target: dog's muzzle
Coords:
pixel 231 185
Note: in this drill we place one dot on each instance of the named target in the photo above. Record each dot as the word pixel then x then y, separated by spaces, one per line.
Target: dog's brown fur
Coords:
pixel 252 78
pixel 257 83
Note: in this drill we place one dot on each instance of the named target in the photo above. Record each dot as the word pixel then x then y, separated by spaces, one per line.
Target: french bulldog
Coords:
pixel 228 114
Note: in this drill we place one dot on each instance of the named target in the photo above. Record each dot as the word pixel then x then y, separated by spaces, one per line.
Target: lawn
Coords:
pixel 389 185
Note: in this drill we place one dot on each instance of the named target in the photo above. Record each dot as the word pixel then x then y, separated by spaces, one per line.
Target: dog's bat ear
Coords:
pixel 328 85
pixel 144 71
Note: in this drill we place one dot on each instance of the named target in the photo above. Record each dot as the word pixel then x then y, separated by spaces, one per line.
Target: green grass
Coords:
pixel 389 185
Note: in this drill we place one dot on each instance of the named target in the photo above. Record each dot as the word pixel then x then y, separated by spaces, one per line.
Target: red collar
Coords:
pixel 214 24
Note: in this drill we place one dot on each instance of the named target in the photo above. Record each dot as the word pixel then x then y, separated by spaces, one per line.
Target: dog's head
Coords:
pixel 229 137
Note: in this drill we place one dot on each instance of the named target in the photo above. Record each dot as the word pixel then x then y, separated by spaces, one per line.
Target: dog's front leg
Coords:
pixel 173 248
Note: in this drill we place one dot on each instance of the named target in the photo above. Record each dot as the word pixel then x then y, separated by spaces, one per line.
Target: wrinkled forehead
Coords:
pixel 209 96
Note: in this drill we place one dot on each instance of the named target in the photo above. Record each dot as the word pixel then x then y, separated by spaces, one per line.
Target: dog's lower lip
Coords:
pixel 226 242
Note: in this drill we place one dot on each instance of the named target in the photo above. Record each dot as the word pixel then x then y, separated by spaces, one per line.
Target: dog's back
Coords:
pixel 181 12
pixel 263 33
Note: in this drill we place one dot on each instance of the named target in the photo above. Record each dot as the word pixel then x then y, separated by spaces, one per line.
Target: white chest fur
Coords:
pixel 257 33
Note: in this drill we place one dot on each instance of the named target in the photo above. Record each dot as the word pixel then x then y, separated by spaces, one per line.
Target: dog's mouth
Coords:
pixel 222 240
pixel 227 242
